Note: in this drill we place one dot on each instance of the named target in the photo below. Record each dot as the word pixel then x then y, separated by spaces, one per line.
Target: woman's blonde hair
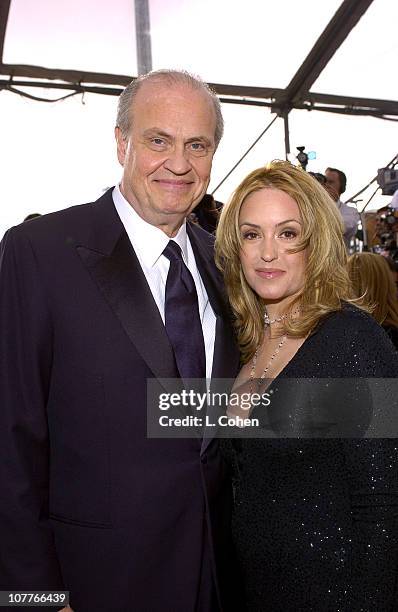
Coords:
pixel 326 272
pixel 373 282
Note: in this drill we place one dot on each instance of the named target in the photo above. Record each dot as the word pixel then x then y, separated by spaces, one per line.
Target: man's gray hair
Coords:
pixel 179 77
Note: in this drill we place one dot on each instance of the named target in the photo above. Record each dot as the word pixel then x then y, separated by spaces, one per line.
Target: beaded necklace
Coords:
pixel 254 362
pixel 268 321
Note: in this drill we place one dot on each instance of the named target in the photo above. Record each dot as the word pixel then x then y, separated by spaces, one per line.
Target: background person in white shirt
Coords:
pixel 336 182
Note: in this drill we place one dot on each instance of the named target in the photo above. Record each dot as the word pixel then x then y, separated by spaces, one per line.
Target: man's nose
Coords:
pixel 269 249
pixel 178 160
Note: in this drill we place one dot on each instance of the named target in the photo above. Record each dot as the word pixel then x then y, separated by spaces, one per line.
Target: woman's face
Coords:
pixel 270 224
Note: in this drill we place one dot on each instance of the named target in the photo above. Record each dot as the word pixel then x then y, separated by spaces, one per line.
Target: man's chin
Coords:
pixel 181 210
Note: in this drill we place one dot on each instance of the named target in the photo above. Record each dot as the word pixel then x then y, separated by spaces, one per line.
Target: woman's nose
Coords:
pixel 269 250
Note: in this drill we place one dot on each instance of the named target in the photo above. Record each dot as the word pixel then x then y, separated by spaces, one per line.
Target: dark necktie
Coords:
pixel 182 319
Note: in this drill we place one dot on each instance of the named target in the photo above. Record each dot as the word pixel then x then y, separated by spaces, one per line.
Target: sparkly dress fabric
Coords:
pixel 315 521
pixel 392 333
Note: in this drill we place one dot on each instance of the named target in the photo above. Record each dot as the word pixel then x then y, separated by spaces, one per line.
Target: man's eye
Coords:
pixel 158 142
pixel 197 147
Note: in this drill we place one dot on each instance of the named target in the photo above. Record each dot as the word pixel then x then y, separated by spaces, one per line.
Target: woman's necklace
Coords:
pixel 268 321
pixel 267 367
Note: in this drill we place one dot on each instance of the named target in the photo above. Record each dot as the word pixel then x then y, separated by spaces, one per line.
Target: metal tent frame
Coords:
pixel 297 95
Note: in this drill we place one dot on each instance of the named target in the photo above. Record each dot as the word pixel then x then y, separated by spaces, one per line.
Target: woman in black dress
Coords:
pixel 316 498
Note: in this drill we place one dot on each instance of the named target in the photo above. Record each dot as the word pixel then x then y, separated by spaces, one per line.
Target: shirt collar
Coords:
pixel 149 241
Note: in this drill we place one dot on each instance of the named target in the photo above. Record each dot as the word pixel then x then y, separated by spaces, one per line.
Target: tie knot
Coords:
pixel 173 251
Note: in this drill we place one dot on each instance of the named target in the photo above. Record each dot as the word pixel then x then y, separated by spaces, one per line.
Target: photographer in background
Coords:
pixel 336 182
pixel 386 231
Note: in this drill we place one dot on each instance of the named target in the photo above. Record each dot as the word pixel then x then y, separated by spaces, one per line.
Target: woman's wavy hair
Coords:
pixel 373 282
pixel 327 283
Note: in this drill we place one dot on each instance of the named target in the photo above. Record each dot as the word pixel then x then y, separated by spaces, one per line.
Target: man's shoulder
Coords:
pixel 201 235
pixel 70 219
pixel 70 214
pixel 348 208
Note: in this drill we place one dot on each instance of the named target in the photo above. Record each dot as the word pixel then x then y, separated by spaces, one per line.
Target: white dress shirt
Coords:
pixel 351 218
pixel 394 201
pixel 149 243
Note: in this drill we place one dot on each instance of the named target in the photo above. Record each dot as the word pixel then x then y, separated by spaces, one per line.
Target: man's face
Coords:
pixel 333 184
pixel 168 154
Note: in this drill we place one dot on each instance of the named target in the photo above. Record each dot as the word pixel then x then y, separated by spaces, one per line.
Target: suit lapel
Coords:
pixel 203 248
pixel 114 267
pixel 110 259
pixel 226 354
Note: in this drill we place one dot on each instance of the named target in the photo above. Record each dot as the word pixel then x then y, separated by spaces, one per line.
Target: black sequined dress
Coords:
pixel 315 521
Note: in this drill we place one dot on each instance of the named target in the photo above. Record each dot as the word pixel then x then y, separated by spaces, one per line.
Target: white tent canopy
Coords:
pixel 334 59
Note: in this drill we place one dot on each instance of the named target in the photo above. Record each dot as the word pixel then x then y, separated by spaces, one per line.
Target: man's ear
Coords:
pixel 121 145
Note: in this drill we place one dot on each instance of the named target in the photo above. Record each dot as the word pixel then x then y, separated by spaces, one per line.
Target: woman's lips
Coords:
pixel 269 273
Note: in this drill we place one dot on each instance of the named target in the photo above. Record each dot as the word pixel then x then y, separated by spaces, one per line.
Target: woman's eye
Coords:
pixel 288 234
pixel 249 235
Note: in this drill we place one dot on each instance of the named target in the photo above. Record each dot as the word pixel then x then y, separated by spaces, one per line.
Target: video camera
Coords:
pixel 387 179
pixel 303 158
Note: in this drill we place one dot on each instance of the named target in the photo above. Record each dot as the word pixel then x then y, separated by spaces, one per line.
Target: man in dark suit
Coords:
pixel 89 503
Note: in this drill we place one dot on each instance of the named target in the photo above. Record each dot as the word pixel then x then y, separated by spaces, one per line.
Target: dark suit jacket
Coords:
pixel 88 502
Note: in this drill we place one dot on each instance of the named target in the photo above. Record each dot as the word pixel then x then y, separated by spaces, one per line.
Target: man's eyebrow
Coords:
pixel 159 132
pixel 202 138
pixel 156 131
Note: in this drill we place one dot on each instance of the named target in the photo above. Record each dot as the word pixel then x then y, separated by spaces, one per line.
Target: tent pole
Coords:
pixel 143 36
pixel 287 138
